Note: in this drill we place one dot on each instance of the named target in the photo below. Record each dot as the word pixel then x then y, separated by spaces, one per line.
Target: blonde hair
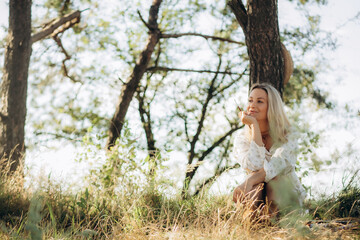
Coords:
pixel 279 124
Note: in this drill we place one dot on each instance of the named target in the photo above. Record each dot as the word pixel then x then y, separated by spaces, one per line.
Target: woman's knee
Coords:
pixel 255 193
pixel 238 194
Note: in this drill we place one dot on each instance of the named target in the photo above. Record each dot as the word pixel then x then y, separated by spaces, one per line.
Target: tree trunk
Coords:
pixel 133 81
pixel 259 22
pixel 15 76
pixel 14 82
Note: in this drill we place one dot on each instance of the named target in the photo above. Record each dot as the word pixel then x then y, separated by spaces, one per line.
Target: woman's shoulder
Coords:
pixel 290 140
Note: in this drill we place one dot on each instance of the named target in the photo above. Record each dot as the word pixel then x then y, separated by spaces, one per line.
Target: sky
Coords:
pixel 342 82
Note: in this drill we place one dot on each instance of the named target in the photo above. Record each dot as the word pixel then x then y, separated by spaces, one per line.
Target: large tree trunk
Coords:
pixel 259 21
pixel 133 81
pixel 14 82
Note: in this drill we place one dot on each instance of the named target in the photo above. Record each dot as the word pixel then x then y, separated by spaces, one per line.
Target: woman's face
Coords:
pixel 258 104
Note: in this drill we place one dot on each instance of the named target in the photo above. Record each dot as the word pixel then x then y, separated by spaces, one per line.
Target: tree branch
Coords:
pixel 143 21
pixel 210 95
pixel 145 118
pixel 232 83
pixel 213 178
pixel 133 81
pixel 239 10
pixel 167 69
pixel 58 136
pixel 57 26
pixel 184 118
pixel 177 35
pixel 67 57
pixel 217 143
pixel 191 172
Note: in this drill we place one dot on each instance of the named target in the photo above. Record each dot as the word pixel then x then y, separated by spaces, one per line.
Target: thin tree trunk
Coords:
pixel 133 81
pixel 14 82
pixel 259 21
pixel 15 76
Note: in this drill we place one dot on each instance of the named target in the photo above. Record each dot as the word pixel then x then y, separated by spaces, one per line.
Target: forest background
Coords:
pixel 170 174
pixel 70 102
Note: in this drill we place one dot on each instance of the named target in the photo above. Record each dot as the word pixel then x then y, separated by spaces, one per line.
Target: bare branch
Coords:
pixel 67 57
pixel 190 174
pixel 213 178
pixel 167 69
pixel 209 96
pixel 184 118
pixel 145 118
pixel 231 83
pixel 58 136
pixel 57 26
pixel 143 21
pixel 177 35
pixel 239 10
pixel 218 142
pixel 133 81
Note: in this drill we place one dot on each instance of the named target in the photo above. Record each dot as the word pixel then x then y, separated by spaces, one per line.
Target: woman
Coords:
pixel 267 150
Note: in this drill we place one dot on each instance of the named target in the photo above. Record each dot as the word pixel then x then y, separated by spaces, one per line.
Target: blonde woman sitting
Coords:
pixel 267 150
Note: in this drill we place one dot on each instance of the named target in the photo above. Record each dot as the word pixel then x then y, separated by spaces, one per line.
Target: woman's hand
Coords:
pixel 254 126
pixel 247 119
pixel 242 191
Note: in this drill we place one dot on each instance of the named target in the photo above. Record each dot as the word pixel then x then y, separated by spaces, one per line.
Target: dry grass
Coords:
pixel 53 213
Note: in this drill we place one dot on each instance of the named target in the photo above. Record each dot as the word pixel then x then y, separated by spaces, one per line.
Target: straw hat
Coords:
pixel 288 64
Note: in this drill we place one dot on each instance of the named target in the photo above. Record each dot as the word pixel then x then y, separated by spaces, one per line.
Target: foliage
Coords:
pixel 345 204
pixel 118 169
pixel 104 48
pixel 89 102
pixel 14 201
pixel 88 213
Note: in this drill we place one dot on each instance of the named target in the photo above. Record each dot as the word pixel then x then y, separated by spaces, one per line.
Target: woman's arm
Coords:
pixel 250 155
pixel 283 160
pixel 254 126
pixel 256 133
pixel 253 179
pixel 256 177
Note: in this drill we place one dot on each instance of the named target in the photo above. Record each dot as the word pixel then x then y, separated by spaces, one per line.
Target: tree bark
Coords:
pixel 14 83
pixel 15 76
pixel 259 22
pixel 133 81
pixel 145 118
pixel 57 26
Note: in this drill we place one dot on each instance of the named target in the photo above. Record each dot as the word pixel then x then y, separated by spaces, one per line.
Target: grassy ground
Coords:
pixel 53 213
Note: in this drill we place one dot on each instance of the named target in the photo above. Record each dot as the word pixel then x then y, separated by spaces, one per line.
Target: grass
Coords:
pixel 54 213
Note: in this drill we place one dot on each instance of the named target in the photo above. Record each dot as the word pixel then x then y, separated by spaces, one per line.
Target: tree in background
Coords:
pixel 132 83
pixel 14 82
pixel 15 76
pixel 259 22
pixel 184 97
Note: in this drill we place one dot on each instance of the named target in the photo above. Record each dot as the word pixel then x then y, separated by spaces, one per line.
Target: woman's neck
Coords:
pixel 264 127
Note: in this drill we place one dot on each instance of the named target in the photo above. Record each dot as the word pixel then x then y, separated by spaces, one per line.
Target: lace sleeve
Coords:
pixel 283 160
pixel 250 155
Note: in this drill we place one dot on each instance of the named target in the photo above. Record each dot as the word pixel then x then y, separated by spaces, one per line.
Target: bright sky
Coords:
pixel 343 81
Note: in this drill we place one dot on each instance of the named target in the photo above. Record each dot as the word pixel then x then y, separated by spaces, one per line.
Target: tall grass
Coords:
pixel 53 214
pixel 113 206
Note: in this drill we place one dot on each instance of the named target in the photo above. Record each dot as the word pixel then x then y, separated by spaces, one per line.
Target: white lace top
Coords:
pixel 277 161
